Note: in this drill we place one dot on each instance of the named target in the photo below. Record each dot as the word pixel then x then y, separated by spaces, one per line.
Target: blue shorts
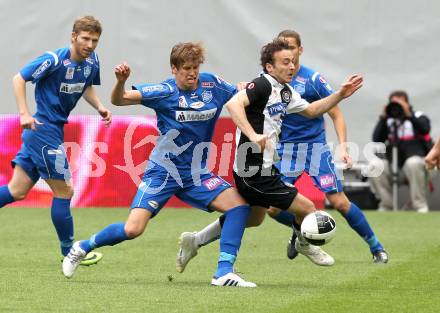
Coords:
pixel 158 186
pixel 42 154
pixel 313 158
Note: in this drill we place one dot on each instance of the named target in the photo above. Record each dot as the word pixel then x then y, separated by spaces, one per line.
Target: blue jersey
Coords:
pixel 186 121
pixel 59 83
pixel 297 128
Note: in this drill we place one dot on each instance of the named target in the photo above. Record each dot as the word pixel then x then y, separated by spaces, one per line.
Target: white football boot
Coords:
pixel 73 259
pixel 187 250
pixel 232 280
pixel 314 253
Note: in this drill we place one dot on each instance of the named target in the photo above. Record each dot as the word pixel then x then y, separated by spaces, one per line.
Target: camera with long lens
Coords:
pixel 394 110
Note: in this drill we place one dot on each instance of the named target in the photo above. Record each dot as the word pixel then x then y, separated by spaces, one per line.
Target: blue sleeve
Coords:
pixel 40 67
pixel 97 77
pixel 154 94
pixel 227 89
pixel 321 86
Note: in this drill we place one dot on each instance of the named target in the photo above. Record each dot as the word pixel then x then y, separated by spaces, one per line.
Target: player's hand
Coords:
pixel 432 160
pixel 346 159
pixel 242 85
pixel 28 122
pixel 351 85
pixel 106 116
pixel 122 72
pixel 260 140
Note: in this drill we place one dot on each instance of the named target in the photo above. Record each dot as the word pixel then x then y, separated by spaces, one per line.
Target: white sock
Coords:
pixel 209 234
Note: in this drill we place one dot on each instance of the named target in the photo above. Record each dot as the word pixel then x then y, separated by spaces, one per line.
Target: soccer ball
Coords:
pixel 318 228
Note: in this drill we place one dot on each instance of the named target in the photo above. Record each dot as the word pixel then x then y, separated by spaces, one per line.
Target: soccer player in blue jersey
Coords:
pixel 301 137
pixel 187 108
pixel 61 77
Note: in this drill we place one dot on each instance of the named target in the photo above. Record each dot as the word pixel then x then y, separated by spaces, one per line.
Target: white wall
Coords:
pixel 394 44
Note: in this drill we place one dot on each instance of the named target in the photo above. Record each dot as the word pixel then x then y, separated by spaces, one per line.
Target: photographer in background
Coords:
pixel 409 130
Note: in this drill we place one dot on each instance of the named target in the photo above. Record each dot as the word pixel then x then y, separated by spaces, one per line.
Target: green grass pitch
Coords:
pixel 140 276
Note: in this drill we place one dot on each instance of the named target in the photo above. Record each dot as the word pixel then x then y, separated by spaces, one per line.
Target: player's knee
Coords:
pixel 272 212
pixel 18 194
pixel 133 231
pixel 340 203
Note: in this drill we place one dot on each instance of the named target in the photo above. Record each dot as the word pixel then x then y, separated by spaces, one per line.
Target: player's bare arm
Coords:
pixel 92 98
pixel 341 131
pixel 348 88
pixel 236 107
pixel 120 96
pixel 26 119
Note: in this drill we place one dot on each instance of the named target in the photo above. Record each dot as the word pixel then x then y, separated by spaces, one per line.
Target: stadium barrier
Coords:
pixel 107 163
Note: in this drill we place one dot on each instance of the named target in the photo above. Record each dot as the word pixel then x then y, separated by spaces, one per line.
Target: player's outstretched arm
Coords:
pixel 341 131
pixel 236 107
pixel 26 119
pixel 120 96
pixel 93 99
pixel 349 87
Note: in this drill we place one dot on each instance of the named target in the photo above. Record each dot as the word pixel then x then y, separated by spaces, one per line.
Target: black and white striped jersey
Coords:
pixel 269 102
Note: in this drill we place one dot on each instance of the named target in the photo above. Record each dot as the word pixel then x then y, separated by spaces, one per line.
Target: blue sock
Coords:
pixel 285 218
pixel 63 222
pixel 357 220
pixel 5 196
pixel 230 239
pixel 109 236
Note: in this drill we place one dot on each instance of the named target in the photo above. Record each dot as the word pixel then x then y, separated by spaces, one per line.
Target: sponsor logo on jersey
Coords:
pixel 327 181
pixel 212 183
pixel 195 116
pixel 197 105
pixel 153 88
pixel 276 108
pixel 301 80
pixel 89 60
pixel 67 62
pixel 208 84
pixel 44 66
pixel 194 95
pixel 322 80
pixel 69 72
pixel 182 102
pixel 300 88
pixel 153 204
pixel 87 71
pixel 286 96
pixel 72 88
pixel 207 96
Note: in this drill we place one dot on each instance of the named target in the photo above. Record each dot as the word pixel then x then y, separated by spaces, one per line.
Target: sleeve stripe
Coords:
pixel 314 76
pixel 54 56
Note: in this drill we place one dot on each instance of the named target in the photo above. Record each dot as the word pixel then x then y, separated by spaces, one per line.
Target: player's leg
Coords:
pixel 215 194
pixel 359 223
pixel 60 212
pixel 111 235
pixel 24 177
pixel 236 212
pixel 301 206
pixel 151 196
pixel 191 242
pixel 17 188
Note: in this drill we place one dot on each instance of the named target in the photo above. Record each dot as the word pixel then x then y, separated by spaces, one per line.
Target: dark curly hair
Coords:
pixel 269 50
